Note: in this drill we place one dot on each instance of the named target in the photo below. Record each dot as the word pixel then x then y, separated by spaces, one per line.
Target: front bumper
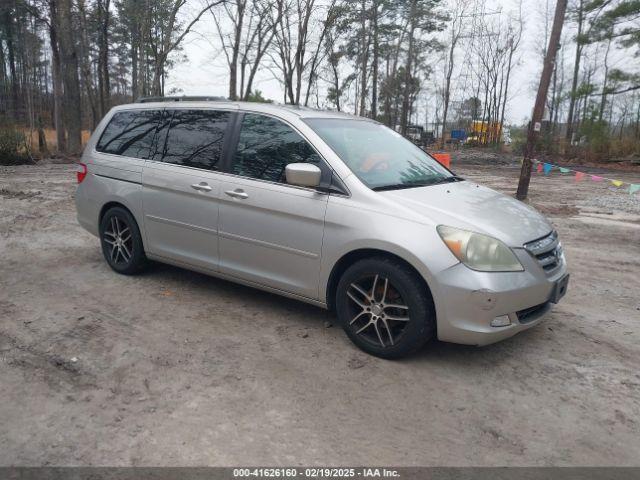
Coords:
pixel 467 301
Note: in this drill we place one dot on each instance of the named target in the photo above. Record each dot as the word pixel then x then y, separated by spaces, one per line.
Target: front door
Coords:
pixel 270 232
pixel 181 187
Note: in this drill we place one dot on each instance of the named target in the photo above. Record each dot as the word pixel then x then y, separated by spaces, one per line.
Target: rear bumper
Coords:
pixel 467 301
pixel 86 210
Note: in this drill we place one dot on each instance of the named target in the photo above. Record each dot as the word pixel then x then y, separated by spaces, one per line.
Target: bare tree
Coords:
pixel 514 37
pixel 456 30
pixel 318 53
pixel 265 16
pixel 291 42
pixel 167 36
pixel 580 14
pixel 234 12
pixel 587 14
pixel 422 17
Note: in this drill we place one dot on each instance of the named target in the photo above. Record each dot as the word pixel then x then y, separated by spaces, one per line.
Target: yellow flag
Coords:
pixel 617 183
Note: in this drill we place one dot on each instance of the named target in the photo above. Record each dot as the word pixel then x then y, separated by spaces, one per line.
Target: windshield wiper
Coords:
pixel 400 186
pixel 452 179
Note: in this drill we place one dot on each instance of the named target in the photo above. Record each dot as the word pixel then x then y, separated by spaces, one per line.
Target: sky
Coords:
pixel 204 70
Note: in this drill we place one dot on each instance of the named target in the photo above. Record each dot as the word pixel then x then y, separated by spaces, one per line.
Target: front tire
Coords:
pixel 385 308
pixel 121 241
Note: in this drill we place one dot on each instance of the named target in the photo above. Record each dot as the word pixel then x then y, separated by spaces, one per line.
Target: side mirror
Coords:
pixel 303 174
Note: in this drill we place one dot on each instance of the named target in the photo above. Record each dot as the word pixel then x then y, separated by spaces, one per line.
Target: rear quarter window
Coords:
pixel 130 133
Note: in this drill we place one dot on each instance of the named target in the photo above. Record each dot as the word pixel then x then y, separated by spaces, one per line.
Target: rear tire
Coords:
pixel 385 308
pixel 121 241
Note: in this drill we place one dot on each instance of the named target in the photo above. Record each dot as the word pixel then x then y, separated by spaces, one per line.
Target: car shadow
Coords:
pixel 233 291
pixel 307 315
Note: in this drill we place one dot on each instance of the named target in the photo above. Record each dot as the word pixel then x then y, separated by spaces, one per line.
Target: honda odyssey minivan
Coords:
pixel 327 208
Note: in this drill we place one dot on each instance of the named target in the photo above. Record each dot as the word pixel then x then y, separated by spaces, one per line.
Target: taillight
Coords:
pixel 81 172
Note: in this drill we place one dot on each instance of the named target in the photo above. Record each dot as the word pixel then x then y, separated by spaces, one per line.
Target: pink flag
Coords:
pixel 579 176
pixel 596 178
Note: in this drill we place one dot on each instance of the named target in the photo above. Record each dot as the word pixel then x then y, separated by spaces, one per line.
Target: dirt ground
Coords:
pixel 176 368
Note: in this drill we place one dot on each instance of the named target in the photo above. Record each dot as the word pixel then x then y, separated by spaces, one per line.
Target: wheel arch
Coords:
pixel 353 256
pixel 114 203
pixel 117 203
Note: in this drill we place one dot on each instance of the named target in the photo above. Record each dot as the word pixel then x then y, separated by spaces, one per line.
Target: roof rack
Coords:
pixel 183 98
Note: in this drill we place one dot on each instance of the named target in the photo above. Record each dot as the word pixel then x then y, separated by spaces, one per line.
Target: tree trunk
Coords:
pixel 233 63
pixel 85 67
pixel 157 78
pixel 8 21
pixel 42 139
pixel 374 63
pixel 576 72
pixel 69 57
pixel 364 54
pixel 134 72
pixel 336 85
pixel 104 88
pixel 553 112
pixel 4 80
pixel 135 59
pixel 541 99
pixel 603 100
pixel 447 87
pixel 56 77
pixel 233 80
pixel 404 113
pixel 637 130
pixel 506 87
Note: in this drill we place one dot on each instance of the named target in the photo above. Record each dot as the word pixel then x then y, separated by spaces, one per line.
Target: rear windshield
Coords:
pixel 378 156
pixel 130 133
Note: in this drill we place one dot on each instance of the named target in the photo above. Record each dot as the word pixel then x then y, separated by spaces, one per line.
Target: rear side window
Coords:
pixel 266 146
pixel 194 138
pixel 130 133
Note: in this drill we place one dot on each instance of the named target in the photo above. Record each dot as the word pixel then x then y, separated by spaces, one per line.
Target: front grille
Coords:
pixel 547 251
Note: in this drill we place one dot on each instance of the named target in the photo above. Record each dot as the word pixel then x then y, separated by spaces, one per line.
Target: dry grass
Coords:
pixel 50 136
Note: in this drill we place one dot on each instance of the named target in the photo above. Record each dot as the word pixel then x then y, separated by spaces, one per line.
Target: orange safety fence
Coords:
pixel 442 158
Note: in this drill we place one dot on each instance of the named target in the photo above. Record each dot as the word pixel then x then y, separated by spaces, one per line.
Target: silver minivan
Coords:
pixel 331 209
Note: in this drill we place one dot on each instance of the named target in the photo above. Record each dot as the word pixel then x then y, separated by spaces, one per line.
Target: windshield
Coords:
pixel 378 156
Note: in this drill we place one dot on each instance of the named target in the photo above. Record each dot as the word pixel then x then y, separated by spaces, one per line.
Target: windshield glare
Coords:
pixel 377 155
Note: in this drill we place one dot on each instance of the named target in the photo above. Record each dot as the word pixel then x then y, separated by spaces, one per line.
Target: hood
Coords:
pixel 470 206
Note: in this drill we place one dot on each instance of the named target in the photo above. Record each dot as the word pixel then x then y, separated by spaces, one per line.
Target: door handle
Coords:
pixel 202 187
pixel 238 193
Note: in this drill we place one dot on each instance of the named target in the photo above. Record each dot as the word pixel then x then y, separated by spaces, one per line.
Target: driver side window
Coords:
pixel 266 146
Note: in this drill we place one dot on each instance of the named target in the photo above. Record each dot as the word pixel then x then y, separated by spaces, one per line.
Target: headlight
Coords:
pixel 479 252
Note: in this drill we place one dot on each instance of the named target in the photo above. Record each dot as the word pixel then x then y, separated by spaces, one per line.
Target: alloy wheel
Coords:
pixel 117 235
pixel 378 313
